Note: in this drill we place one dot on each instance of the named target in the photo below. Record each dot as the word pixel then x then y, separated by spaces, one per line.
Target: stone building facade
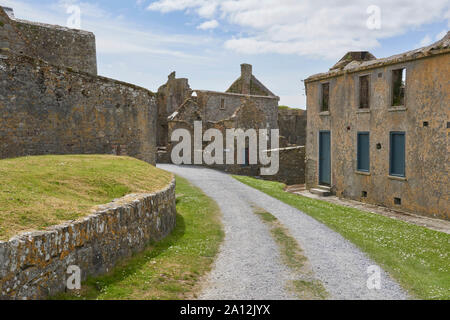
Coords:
pixel 239 107
pixel 378 129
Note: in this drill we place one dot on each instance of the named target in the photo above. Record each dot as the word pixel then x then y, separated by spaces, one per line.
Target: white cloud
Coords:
pixel 426 41
pixel 440 35
pixel 212 24
pixel 314 28
pixel 114 35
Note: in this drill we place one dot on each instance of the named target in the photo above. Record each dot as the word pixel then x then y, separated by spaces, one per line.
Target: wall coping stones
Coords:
pixel 236 94
pixel 6 52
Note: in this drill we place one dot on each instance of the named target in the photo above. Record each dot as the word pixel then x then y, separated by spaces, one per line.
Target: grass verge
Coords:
pixel 417 257
pixel 304 286
pixel 37 192
pixel 172 268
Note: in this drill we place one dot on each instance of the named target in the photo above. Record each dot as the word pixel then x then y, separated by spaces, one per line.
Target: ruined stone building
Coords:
pixel 378 129
pixel 53 102
pixel 247 104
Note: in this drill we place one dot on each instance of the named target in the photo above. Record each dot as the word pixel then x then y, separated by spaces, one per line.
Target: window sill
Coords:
pixel 397 108
pixel 363 173
pixel 363 111
pixel 397 178
pixel 324 113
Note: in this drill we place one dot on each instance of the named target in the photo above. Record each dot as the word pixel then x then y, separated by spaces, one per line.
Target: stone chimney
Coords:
pixel 246 76
pixel 9 12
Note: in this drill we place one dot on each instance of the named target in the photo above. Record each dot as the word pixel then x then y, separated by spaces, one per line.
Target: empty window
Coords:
pixel 325 101
pixel 363 154
pixel 398 201
pixel 364 92
pixel 398 87
pixel 397 154
pixel 222 104
pixel 246 157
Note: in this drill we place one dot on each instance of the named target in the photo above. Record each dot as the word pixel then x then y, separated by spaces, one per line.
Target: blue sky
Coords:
pixel 142 41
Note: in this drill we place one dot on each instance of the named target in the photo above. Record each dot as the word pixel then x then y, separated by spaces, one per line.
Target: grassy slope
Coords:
pixel 417 257
pixel 170 269
pixel 36 192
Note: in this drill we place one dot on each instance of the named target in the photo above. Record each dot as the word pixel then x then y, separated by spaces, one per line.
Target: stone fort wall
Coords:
pixel 55 110
pixel 34 265
pixel 57 45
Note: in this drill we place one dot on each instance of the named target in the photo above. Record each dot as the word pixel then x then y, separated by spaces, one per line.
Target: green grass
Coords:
pixel 37 192
pixel 305 286
pixel 170 269
pixel 417 257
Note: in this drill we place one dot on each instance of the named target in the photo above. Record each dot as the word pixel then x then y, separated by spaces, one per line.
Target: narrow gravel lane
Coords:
pixel 249 265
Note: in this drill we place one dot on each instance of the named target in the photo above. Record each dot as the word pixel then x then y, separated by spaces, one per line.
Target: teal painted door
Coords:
pixel 324 158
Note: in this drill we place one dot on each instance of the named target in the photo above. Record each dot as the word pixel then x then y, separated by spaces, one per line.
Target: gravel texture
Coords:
pixel 249 265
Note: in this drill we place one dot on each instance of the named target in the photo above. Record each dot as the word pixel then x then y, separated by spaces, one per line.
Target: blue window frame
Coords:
pixel 363 151
pixel 397 154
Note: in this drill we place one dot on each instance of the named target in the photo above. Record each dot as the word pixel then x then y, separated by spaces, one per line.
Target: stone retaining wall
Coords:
pixel 292 166
pixel 34 265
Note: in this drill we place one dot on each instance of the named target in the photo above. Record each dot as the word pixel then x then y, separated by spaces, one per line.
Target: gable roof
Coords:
pixel 256 87
pixel 440 47
pixel 248 84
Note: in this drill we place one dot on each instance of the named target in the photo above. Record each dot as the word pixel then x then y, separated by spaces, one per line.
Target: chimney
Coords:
pixel 9 12
pixel 246 76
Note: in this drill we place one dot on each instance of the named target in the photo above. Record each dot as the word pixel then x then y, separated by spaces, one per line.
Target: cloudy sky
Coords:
pixel 142 41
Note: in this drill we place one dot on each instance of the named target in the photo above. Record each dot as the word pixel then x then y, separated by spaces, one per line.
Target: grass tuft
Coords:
pixel 305 286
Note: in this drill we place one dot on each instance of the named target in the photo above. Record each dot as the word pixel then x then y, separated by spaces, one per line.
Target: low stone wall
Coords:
pixel 291 170
pixel 292 124
pixel 292 166
pixel 34 265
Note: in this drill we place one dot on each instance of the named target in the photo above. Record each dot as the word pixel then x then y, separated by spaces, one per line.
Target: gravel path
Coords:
pixel 249 265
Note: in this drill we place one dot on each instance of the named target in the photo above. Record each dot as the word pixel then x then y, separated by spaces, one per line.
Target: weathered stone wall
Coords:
pixel 425 187
pixel 292 124
pixel 292 166
pixel 247 116
pixel 170 97
pixel 51 110
pixel 34 265
pixel 211 103
pixel 57 45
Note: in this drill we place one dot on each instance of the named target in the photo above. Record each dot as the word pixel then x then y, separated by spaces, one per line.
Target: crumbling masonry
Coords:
pixel 247 104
